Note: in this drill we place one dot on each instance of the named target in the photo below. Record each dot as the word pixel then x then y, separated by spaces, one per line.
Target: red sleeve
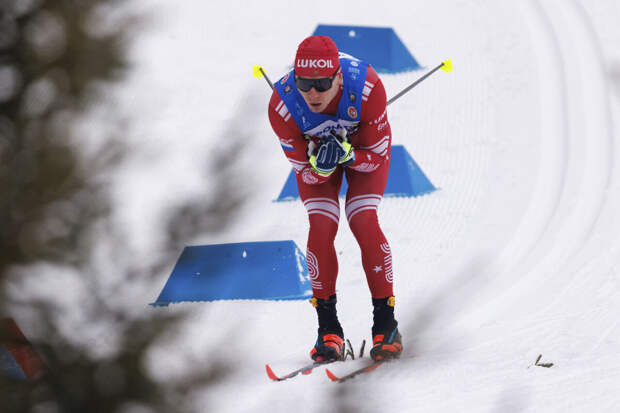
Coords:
pixel 373 139
pixel 294 145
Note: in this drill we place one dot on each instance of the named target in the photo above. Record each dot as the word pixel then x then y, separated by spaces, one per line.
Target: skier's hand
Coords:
pixel 326 158
pixel 346 153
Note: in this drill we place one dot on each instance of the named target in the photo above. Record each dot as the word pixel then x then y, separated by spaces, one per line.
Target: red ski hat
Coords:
pixel 316 56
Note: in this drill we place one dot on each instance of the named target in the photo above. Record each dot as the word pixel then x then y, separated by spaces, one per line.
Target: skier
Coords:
pixel 329 113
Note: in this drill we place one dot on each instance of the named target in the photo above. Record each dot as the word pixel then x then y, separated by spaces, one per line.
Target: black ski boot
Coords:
pixel 386 339
pixel 330 342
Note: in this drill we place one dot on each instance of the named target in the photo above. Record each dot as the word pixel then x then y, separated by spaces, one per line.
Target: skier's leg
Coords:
pixel 363 198
pixel 321 202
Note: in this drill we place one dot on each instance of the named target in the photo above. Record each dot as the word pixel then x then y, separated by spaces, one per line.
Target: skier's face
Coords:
pixel 318 101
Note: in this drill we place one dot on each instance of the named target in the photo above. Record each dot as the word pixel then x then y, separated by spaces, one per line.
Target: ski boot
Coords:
pixel 330 342
pixel 386 339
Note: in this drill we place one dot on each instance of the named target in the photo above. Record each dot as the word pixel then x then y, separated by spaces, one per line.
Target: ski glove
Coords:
pixel 326 158
pixel 346 153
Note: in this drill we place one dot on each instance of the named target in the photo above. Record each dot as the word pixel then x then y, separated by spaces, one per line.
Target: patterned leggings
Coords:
pixel 362 201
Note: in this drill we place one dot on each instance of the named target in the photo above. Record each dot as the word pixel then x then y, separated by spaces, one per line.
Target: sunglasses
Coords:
pixel 321 85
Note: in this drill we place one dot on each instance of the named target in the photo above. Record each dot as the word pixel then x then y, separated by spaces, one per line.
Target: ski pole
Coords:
pixel 446 66
pixel 258 72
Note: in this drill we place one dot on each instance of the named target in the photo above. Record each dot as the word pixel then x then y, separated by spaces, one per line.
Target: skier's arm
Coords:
pixel 373 139
pixel 294 145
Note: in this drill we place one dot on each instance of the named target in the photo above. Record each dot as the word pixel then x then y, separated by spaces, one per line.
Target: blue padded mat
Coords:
pixel 9 366
pixel 379 46
pixel 270 270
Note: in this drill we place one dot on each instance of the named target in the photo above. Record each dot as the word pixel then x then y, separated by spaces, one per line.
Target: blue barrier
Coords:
pixel 18 358
pixel 8 365
pixel 406 179
pixel 379 46
pixel 270 270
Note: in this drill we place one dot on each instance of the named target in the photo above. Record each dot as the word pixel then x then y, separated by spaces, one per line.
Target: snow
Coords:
pixel 516 256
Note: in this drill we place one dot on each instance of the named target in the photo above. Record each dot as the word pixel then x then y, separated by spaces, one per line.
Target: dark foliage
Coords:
pixel 56 59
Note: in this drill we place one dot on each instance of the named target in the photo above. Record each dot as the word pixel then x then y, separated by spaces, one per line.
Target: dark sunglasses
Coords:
pixel 321 85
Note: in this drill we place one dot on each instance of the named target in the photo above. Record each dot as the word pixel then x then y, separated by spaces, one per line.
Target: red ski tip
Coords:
pixel 374 366
pixel 306 372
pixel 331 375
pixel 270 373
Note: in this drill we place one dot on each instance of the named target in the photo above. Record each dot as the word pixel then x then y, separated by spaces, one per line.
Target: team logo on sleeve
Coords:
pixel 284 79
pixel 352 112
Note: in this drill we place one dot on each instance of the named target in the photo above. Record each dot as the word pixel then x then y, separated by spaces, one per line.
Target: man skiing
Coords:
pixel 329 113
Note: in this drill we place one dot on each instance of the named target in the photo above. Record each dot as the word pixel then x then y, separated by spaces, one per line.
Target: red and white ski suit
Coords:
pixel 366 178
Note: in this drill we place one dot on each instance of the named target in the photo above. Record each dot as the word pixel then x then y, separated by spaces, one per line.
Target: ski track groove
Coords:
pixel 553 230
pixel 592 266
pixel 594 125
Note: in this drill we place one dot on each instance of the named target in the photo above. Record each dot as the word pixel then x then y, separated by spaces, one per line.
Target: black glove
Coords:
pixel 346 153
pixel 326 158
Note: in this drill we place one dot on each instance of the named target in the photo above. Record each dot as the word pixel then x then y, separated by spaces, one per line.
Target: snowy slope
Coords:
pixel 517 255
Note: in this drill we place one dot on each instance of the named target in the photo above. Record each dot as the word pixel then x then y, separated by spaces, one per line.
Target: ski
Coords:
pixel 366 369
pixel 307 369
